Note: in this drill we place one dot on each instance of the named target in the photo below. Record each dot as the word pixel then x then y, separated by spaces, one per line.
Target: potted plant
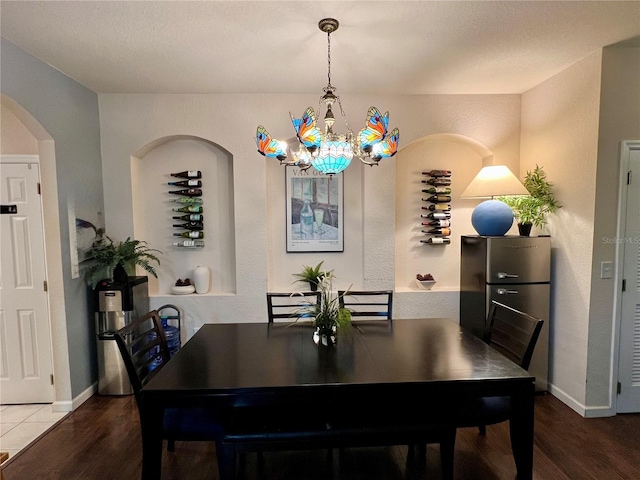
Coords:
pixel 312 275
pixel 529 210
pixel 116 261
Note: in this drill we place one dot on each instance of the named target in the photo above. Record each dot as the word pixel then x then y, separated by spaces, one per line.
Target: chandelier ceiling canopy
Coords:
pixel 330 152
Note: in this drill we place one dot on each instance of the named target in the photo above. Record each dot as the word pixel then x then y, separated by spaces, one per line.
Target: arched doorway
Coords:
pixel 53 258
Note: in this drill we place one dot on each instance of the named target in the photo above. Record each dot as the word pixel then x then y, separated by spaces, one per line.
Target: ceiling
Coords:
pixel 396 47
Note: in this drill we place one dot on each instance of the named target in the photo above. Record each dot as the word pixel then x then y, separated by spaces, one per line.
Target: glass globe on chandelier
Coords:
pixel 330 152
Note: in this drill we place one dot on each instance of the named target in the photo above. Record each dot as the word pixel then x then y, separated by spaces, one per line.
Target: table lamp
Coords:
pixel 493 217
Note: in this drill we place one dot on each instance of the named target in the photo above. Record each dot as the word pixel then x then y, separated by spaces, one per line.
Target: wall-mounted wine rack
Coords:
pixel 436 214
pixel 189 212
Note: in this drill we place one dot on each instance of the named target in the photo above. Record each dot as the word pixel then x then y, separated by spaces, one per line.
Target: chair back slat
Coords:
pixel 367 304
pixel 291 305
pixel 144 349
pixel 513 333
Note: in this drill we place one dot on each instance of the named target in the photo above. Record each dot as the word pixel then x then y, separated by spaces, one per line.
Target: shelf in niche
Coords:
pixel 435 289
pixel 192 295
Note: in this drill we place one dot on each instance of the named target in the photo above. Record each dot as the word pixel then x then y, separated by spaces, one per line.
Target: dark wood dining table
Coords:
pixel 431 364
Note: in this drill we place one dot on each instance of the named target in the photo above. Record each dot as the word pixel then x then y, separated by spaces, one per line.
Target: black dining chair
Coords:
pixel 367 304
pixel 514 334
pixel 144 351
pixel 291 305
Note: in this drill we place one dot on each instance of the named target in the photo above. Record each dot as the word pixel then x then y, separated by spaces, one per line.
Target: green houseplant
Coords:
pixel 109 259
pixel 312 275
pixel 532 209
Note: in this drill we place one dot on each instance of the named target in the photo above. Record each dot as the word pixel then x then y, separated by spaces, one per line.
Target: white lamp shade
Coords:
pixel 492 181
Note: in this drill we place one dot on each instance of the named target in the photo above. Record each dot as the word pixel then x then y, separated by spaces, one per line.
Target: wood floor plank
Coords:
pixel 101 441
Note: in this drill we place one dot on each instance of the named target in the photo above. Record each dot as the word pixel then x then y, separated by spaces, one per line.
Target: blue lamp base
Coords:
pixel 492 218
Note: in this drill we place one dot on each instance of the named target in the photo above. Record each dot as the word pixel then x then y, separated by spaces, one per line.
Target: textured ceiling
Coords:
pixel 398 47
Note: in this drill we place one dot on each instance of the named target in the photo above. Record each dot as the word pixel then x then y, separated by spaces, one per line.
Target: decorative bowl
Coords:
pixel 425 284
pixel 183 289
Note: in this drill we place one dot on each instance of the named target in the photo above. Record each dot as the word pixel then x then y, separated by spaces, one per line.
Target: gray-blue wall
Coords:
pixel 69 113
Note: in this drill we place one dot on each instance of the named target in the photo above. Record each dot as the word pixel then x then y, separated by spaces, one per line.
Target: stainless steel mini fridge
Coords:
pixel 512 270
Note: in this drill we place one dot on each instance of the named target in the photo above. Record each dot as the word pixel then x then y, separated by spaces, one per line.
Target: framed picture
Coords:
pixel 315 211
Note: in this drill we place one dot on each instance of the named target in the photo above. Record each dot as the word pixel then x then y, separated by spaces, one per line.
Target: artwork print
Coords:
pixel 315 216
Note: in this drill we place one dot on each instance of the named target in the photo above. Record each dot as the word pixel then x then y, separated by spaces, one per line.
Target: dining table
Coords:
pixel 427 365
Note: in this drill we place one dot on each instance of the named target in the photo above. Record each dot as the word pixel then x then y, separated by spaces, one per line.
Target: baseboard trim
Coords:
pixel 568 400
pixel 70 406
pixel 597 411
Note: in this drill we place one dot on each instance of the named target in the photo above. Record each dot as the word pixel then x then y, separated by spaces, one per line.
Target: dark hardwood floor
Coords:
pixel 101 441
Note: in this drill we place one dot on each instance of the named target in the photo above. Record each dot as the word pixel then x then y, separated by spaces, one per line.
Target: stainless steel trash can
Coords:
pixel 117 304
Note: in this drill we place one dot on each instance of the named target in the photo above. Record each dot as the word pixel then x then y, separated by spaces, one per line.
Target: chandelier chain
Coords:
pixel 328 59
pixel 344 117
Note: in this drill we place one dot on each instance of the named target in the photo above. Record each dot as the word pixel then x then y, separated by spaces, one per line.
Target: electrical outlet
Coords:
pixel 606 269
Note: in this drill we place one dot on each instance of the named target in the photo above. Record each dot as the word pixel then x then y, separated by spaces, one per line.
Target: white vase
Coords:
pixel 201 278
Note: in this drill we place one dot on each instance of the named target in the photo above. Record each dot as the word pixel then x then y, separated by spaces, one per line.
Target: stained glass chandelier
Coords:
pixel 330 152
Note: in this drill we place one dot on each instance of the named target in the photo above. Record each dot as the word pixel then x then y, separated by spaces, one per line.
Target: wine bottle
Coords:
pixel 437 215
pixel 190 234
pixel 438 181
pixel 438 199
pixel 189 200
pixel 188 209
pixel 191 225
pixel 188 192
pixel 437 240
pixel 187 183
pixel 437 223
pixel 188 174
pixel 437 190
pixel 438 231
pixel 438 173
pixel 192 217
pixel 438 207
pixel 189 244
pixel 306 220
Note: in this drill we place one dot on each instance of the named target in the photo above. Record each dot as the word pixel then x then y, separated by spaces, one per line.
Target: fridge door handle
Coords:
pixel 502 275
pixel 504 291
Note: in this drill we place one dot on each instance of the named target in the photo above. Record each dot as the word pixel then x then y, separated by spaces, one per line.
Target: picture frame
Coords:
pixel 315 211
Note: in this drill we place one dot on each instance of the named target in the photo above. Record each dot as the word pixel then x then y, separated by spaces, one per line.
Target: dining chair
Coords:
pixel 283 430
pixel 514 334
pixel 367 304
pixel 291 305
pixel 143 346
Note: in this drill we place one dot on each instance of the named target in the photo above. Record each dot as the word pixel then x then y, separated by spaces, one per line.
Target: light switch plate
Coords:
pixel 606 269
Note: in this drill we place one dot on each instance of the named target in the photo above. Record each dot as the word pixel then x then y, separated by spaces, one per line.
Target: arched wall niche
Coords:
pixel 463 156
pixel 53 251
pixel 151 168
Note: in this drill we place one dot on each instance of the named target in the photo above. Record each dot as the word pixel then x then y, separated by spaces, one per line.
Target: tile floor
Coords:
pixel 22 424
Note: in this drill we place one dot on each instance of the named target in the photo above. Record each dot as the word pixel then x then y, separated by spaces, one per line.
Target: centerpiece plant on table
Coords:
pixel 327 314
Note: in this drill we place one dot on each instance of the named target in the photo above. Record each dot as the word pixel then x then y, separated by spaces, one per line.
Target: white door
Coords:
pixel 629 358
pixel 25 335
